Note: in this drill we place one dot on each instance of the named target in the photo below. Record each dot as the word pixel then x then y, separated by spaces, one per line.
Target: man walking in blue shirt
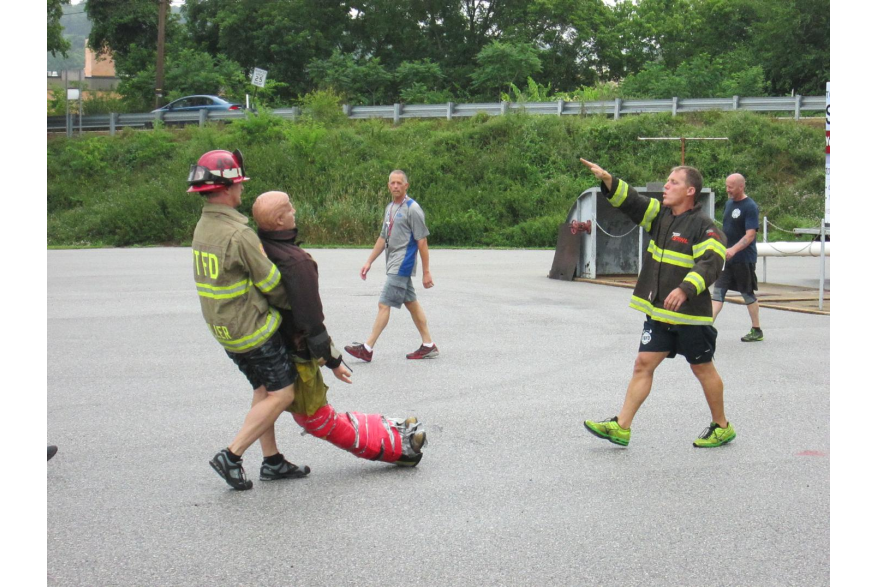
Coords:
pixel 739 224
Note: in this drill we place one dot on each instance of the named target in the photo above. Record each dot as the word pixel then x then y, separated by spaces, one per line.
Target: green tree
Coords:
pixel 792 39
pixel 420 82
pixel 76 27
pixel 120 26
pixel 699 77
pixel 282 36
pixel 365 81
pixel 502 64
pixel 55 42
pixel 187 71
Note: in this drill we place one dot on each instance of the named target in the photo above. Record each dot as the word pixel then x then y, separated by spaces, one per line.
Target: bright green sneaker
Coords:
pixel 754 335
pixel 714 435
pixel 610 430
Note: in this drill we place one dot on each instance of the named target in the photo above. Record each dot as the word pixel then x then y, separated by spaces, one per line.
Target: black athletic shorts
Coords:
pixel 696 343
pixel 268 365
pixel 738 277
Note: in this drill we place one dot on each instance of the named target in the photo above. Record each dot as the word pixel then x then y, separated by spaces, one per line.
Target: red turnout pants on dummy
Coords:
pixel 368 436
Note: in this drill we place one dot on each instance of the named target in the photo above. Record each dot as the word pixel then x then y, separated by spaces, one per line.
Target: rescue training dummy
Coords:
pixel 367 436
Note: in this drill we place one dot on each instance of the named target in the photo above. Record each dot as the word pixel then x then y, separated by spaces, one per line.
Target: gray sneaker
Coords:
pixel 232 472
pixel 284 470
pixel 413 441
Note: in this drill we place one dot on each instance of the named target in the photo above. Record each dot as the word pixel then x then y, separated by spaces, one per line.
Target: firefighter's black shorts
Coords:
pixel 696 343
pixel 268 365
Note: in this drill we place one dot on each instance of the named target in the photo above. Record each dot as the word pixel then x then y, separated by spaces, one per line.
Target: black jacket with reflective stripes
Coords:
pixel 685 251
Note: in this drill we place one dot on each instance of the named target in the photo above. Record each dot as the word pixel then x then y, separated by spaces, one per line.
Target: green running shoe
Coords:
pixel 610 430
pixel 714 435
pixel 754 335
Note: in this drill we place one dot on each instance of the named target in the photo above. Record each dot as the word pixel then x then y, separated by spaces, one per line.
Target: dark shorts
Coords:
pixel 398 290
pixel 696 343
pixel 268 365
pixel 738 277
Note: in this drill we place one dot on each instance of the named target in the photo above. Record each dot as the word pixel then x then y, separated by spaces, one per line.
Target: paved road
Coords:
pixel 511 491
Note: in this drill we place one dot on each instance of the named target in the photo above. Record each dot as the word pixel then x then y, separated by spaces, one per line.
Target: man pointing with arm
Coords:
pixel 685 255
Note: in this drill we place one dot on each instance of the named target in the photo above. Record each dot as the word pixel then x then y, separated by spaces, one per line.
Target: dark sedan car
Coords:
pixel 196 103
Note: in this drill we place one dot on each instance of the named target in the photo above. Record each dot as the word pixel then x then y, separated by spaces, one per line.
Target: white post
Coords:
pixel 822 258
pixel 764 263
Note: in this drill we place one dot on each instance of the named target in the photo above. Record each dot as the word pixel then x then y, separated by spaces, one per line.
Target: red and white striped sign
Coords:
pixel 828 153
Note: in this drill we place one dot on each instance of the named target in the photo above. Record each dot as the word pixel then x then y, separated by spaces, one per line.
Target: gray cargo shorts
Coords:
pixel 398 290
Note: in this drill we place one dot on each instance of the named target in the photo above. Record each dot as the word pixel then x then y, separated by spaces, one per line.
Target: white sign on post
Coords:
pixel 259 76
pixel 72 94
pixel 828 153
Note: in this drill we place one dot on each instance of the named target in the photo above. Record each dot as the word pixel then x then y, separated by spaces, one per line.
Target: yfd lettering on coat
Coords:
pixel 206 264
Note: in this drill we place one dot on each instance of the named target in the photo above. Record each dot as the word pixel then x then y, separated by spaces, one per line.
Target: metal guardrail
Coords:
pixel 397 112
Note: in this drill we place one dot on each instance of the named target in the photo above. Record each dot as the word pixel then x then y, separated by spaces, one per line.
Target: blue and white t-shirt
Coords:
pixel 404 225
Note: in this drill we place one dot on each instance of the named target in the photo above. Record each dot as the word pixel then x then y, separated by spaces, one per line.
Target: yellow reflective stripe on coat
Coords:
pixel 620 194
pixel 670 257
pixel 224 292
pixel 271 281
pixel 245 343
pixel 709 244
pixel 696 280
pixel 651 214
pixel 667 316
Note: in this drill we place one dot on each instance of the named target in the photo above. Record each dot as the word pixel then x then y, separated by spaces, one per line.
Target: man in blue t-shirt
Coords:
pixel 739 224
pixel 403 237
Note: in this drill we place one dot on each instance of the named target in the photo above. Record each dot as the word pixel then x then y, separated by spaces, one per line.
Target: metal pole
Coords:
pixel 764 266
pixel 822 256
pixel 67 103
pixel 683 151
pixel 159 59
pixel 80 102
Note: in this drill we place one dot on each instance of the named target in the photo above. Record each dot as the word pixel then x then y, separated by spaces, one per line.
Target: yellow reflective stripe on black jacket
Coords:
pixel 696 280
pixel 685 251
pixel 667 316
pixel 672 257
pixel 710 244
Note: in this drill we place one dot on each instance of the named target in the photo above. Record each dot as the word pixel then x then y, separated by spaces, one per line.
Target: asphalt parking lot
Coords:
pixel 511 490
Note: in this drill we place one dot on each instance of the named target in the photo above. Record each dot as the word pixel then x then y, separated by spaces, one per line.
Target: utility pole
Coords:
pixel 159 60
pixel 683 139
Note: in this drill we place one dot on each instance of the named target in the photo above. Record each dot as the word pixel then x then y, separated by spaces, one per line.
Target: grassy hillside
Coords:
pixel 487 181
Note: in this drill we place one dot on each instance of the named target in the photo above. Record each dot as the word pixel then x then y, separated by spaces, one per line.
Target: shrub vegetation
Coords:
pixel 483 182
